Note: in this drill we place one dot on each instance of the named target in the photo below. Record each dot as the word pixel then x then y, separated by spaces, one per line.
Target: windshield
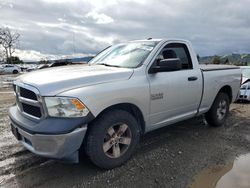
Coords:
pixel 127 55
pixel 246 73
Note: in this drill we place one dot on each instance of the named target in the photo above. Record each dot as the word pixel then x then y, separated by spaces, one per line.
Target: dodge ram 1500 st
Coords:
pixel 126 90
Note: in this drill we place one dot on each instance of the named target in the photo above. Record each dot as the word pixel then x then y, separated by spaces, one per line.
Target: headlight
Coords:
pixel 65 107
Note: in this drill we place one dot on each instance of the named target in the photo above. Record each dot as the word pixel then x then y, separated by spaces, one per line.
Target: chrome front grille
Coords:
pixel 32 110
pixel 29 101
pixel 27 94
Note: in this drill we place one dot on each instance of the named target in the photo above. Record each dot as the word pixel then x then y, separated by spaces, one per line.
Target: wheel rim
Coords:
pixel 222 109
pixel 117 140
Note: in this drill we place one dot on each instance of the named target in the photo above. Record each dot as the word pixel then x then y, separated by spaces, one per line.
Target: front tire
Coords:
pixel 15 72
pixel 218 113
pixel 112 139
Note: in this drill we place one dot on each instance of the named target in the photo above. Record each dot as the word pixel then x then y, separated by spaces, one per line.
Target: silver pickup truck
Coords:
pixel 126 91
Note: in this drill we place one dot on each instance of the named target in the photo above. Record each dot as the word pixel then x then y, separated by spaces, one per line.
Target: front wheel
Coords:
pixel 112 139
pixel 218 113
pixel 15 72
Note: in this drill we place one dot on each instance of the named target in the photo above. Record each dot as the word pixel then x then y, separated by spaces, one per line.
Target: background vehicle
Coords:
pixel 125 91
pixel 59 63
pixel 38 67
pixel 14 69
pixel 43 66
pixel 244 94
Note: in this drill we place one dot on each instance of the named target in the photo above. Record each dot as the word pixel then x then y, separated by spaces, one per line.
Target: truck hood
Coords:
pixel 53 81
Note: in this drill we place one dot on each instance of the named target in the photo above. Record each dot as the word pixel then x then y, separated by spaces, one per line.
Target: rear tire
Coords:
pixel 112 139
pixel 15 72
pixel 218 113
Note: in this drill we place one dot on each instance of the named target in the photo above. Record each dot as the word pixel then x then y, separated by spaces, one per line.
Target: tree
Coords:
pixel 15 60
pixel 226 61
pixel 216 60
pixel 2 51
pixel 44 61
pixel 2 54
pixel 8 41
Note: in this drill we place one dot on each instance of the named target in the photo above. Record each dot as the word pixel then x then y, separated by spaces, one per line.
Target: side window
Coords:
pixel 9 66
pixel 177 50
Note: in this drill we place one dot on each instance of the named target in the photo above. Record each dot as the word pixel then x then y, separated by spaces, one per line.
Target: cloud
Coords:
pixel 99 18
pixel 31 55
pixel 55 27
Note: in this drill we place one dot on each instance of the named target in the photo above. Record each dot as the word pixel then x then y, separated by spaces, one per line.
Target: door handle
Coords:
pixel 192 78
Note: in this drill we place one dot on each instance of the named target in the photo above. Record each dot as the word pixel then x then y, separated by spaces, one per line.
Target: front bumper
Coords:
pixel 63 146
pixel 52 145
pixel 244 95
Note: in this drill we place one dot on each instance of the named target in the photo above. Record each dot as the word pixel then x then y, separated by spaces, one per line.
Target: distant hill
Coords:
pixel 73 60
pixel 81 59
pixel 232 59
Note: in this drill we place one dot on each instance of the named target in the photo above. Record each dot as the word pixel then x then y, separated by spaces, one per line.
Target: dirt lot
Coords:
pixel 169 157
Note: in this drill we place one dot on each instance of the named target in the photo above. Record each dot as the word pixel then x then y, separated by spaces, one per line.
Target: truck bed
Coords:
pixel 212 67
pixel 214 78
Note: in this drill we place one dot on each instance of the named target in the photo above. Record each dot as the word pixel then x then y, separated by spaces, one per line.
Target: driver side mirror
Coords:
pixel 166 65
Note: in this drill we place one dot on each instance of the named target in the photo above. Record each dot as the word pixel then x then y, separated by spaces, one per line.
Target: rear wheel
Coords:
pixel 112 139
pixel 15 71
pixel 218 113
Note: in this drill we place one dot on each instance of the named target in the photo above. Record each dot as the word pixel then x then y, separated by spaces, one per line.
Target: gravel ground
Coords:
pixel 6 81
pixel 168 157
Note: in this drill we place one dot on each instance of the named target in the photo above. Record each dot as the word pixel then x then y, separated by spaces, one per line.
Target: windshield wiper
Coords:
pixel 108 65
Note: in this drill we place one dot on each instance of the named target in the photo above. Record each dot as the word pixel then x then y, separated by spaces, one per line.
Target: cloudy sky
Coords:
pixel 55 28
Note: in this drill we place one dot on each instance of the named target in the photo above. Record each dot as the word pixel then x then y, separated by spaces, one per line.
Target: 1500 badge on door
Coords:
pixel 156 96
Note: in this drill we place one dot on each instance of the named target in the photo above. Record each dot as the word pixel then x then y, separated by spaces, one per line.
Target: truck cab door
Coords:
pixel 175 95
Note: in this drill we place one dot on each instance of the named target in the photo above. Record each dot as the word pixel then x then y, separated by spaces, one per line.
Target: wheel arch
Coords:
pixel 130 108
pixel 227 90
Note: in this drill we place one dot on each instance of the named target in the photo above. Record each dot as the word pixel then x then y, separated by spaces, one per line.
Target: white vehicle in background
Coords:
pixel 244 94
pixel 7 68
